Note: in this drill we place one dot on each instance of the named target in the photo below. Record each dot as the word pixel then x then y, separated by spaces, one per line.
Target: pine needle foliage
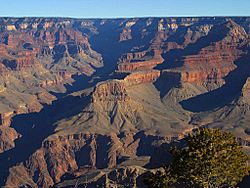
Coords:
pixel 211 159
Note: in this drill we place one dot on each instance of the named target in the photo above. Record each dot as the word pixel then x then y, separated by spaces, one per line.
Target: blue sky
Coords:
pixel 123 8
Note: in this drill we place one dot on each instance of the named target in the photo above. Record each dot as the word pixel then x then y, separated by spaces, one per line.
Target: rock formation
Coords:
pixel 68 154
pixel 109 91
pixel 7 137
pixel 140 77
pixel 5 118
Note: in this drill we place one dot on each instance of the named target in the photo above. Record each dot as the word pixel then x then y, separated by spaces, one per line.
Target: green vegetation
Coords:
pixel 211 159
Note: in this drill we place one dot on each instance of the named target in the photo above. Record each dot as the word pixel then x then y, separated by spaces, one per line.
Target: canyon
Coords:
pixel 98 102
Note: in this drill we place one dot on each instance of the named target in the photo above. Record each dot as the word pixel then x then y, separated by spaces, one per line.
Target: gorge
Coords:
pixel 86 100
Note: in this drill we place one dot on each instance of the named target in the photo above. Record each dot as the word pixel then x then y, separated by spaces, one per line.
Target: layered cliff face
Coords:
pixel 211 61
pixel 140 61
pixel 147 83
pixel 38 56
pixel 73 155
pixel 203 59
pixel 140 77
pixel 110 91
pixel 7 137
pixel 56 39
pixel 214 62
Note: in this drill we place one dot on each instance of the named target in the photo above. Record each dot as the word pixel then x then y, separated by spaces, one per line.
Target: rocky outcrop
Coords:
pixel 140 71
pixel 138 61
pixel 11 27
pixel 110 91
pixel 205 76
pixel 49 83
pixel 5 118
pixel 115 90
pixel 246 89
pixel 129 67
pixel 142 77
pixel 7 137
pixel 131 56
pixel 126 32
pixel 45 97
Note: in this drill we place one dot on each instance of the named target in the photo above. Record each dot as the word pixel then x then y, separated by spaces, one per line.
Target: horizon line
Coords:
pixel 131 17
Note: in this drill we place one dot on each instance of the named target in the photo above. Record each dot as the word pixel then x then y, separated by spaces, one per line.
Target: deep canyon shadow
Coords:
pixel 222 96
pixel 34 128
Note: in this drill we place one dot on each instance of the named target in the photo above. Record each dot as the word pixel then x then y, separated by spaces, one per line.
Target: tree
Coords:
pixel 161 179
pixel 212 158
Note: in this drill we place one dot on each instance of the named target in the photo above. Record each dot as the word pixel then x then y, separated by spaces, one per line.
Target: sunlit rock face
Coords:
pixel 107 97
